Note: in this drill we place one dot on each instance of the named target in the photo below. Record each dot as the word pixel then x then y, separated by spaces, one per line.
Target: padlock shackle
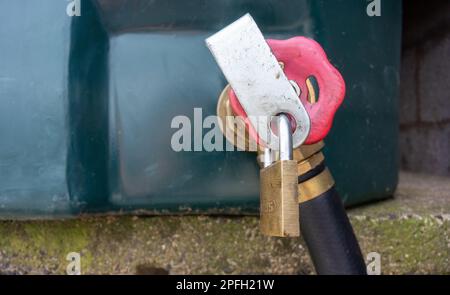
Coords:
pixel 285 137
pixel 286 151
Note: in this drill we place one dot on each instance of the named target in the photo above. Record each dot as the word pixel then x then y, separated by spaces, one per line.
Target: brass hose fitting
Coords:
pixel 308 157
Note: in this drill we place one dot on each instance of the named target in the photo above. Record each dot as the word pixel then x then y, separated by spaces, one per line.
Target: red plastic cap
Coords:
pixel 303 58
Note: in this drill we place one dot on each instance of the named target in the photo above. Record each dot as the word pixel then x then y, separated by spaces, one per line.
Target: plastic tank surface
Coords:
pixel 87 103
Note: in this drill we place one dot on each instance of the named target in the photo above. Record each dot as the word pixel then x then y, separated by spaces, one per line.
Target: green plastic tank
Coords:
pixel 87 103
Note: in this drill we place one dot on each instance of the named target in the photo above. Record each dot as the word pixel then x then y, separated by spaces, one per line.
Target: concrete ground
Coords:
pixel 411 233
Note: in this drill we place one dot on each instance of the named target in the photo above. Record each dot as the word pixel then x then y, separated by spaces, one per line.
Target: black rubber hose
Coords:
pixel 328 234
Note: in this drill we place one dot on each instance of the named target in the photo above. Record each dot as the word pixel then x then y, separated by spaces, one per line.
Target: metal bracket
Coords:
pixel 258 80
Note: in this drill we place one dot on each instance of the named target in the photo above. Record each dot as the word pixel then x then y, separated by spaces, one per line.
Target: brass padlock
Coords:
pixel 279 212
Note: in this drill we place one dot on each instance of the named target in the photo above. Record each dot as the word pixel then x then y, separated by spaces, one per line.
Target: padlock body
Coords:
pixel 279 199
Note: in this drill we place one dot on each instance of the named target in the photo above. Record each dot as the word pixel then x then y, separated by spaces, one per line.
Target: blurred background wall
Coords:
pixel 425 87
